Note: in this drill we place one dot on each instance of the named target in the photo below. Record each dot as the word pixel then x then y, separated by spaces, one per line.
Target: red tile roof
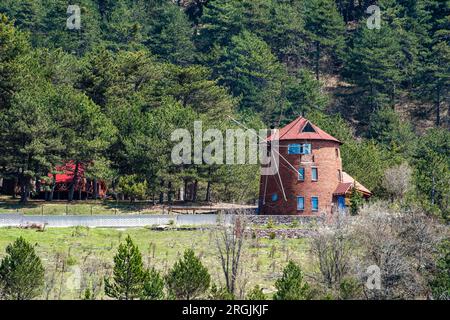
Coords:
pixel 294 131
pixel 347 183
pixel 342 188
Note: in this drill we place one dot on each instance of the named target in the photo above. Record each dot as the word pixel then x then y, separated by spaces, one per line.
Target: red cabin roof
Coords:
pixel 303 129
pixel 65 172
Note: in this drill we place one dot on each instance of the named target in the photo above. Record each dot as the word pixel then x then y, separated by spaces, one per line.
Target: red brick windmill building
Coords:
pixel 310 180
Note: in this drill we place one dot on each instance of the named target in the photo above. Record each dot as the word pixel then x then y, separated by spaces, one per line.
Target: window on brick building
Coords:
pixel 306 148
pixel 337 153
pixel 301 174
pixel 296 148
pixel 314 174
pixel 300 203
pixel 315 203
pixel 339 175
pixel 308 128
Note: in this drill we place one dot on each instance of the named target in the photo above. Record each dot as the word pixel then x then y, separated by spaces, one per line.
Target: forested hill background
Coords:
pixel 111 92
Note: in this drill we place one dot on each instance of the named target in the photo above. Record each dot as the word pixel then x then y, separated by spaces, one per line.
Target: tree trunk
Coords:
pixel 438 106
pixel 208 192
pixel 14 188
pixel 24 188
pixel 317 60
pixel 52 189
pixel 74 182
pixel 194 192
pixel 170 193
pixel 161 193
pixel 95 189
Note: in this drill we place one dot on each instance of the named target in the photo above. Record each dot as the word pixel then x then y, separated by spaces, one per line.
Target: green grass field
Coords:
pixel 91 251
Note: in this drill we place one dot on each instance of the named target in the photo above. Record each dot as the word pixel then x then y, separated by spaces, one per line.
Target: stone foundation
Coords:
pixel 284 219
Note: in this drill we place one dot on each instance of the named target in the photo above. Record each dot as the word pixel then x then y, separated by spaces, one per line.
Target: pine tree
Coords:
pixel 129 276
pixel 433 77
pixel 27 15
pixel 386 127
pixel 221 21
pixel 153 286
pixel 188 279
pixel 57 35
pixel 373 64
pixel 252 72
pixel 256 294
pixel 21 272
pixel 13 47
pixel 171 34
pixel 285 32
pixel 366 161
pixel 292 285
pixel 432 163
pixel 324 28
pixel 125 27
pixel 304 94
pixel 88 132
pixel 30 136
pixel 356 200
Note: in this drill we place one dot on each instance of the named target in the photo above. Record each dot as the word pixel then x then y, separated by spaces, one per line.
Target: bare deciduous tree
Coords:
pixel 402 245
pixel 229 237
pixel 331 249
pixel 397 180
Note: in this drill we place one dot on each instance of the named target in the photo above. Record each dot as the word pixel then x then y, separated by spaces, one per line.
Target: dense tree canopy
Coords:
pixel 110 93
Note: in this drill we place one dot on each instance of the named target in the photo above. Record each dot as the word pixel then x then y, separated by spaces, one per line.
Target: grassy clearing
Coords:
pixel 70 248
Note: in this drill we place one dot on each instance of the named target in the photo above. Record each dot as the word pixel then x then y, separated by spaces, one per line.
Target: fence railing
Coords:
pixel 17 220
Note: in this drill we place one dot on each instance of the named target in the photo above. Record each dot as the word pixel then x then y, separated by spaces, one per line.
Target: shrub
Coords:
pixel 270 224
pixel 153 286
pixel 350 289
pixel 292 286
pixel 220 293
pixel 356 200
pixel 256 294
pixel 188 278
pixel 295 223
pixel 132 187
pixel 87 295
pixel 440 284
pixel 21 272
